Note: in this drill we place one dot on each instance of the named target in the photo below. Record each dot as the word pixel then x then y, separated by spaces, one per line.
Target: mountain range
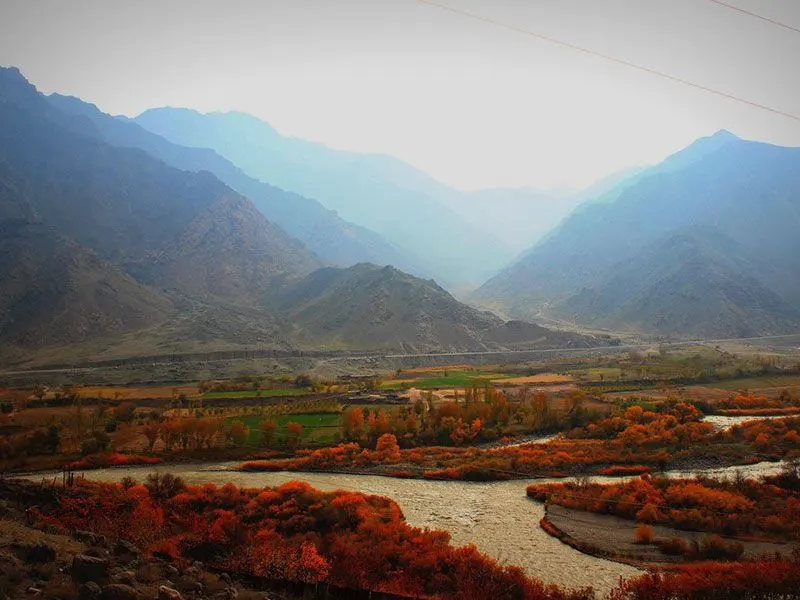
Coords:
pixel 339 242
pixel 108 248
pixel 405 206
pixel 702 245
pixel 173 232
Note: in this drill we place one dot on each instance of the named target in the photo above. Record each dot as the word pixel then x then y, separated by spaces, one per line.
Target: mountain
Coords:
pixel 107 250
pixel 321 230
pixel 166 226
pixel 371 306
pixel 100 240
pixel 56 292
pixel 740 198
pixel 378 192
pixel 696 282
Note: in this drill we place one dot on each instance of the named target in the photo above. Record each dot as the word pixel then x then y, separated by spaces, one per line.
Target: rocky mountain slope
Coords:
pixel 382 307
pixel 624 261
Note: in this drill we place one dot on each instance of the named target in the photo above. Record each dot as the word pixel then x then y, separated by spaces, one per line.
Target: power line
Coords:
pixel 756 15
pixel 620 61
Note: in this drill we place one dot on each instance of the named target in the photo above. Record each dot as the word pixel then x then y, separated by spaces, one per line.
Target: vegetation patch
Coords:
pixel 760 382
pixel 316 427
pixel 448 379
pixel 267 393
pixel 759 509
pixel 114 459
pixel 290 533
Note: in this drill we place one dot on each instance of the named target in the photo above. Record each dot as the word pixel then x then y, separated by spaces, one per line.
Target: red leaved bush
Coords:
pixel 295 533
pixel 768 508
pixel 113 459
pixel 756 580
pixel 622 470
pixel 631 443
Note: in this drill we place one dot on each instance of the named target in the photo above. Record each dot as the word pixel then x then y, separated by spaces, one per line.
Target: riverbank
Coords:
pixel 496 517
pixel 614 538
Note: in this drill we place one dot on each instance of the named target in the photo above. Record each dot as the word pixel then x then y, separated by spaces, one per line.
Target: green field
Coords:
pixel 317 427
pixel 390 408
pixel 598 373
pixel 277 393
pixel 452 379
pixel 764 381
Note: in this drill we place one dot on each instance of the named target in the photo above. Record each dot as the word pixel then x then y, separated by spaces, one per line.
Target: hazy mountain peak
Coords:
pixel 723 134
pixel 246 119
pixel 242 122
pixel 174 110
pixel 14 87
pixel 698 150
pixel 710 227
pixel 13 74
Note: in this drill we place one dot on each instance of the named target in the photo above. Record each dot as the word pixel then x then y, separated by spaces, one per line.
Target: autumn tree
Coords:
pixel 267 429
pixel 382 424
pixel 387 448
pixel 353 419
pixel 170 433
pixel 152 432
pixel 239 432
pixel 39 391
pixel 124 412
pixel 293 433
pixel 411 422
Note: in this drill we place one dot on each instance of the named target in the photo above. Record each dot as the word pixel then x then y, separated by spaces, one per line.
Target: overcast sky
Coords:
pixel 474 105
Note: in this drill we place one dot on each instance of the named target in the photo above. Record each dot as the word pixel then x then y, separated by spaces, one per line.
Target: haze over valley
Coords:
pixel 459 300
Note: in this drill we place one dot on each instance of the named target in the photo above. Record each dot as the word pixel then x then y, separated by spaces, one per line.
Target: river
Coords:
pixel 496 516
pixel 726 422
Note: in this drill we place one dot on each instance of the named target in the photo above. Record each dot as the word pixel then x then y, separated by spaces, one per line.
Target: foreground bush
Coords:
pixel 114 459
pixel 769 508
pixel 293 533
pixel 757 580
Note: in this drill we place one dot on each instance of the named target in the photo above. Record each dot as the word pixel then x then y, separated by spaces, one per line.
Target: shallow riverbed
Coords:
pixel 497 517
pixel 726 422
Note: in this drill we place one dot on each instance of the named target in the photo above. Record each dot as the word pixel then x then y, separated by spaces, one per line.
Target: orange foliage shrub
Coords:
pixel 387 449
pixel 640 442
pixel 644 534
pixel 294 533
pixel 753 580
pixel 114 459
pixel 622 470
pixel 747 401
pixel 750 507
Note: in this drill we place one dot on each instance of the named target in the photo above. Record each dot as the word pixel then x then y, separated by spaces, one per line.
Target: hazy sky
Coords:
pixel 474 105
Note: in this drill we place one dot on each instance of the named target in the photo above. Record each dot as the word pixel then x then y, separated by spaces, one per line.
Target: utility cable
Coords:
pixel 756 15
pixel 620 61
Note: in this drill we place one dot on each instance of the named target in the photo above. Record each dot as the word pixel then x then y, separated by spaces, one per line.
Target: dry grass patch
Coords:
pixel 541 379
